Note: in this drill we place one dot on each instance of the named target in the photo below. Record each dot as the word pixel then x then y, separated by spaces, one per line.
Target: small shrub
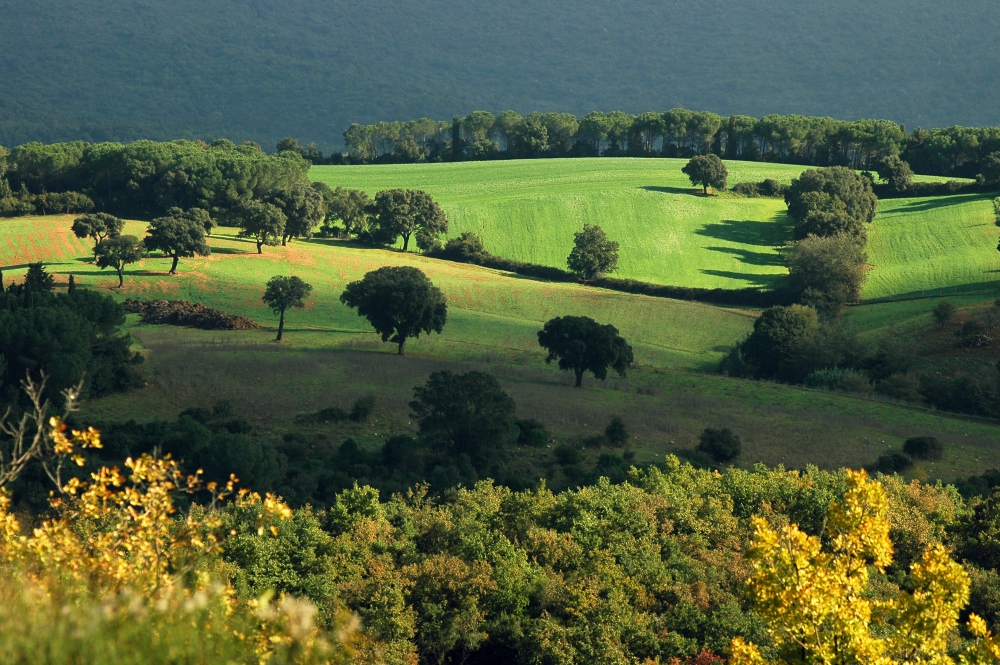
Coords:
pixel 901 385
pixel 363 408
pixel 973 327
pixel 892 462
pixel 567 454
pixel 747 189
pixel 197 413
pixel 944 312
pixel 616 433
pixel 977 340
pixel 772 188
pixel 239 426
pixel 333 414
pixel 828 379
pixel 856 382
pixel 924 447
pixel 719 444
pixel 531 433
pixel 399 451
pixel 222 409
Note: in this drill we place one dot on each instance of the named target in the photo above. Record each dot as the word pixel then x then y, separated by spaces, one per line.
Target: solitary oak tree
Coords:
pixel 593 254
pixel 263 222
pixel 119 252
pixel 97 227
pixel 284 292
pixel 895 172
pixel 469 413
pixel 403 212
pixel 581 344
pixel 400 302
pixel 707 171
pixel 177 235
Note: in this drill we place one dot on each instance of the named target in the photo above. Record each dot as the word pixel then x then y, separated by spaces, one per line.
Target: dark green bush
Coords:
pixel 531 433
pixel 719 444
pixel 892 462
pixel 363 408
pixel 567 453
pixel 616 433
pixel 924 447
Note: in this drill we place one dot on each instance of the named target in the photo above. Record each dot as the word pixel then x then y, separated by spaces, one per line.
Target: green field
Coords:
pixel 332 356
pixel 945 245
pixel 669 232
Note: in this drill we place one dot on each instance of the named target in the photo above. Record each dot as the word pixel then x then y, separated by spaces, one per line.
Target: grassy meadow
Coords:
pixel 332 356
pixel 669 232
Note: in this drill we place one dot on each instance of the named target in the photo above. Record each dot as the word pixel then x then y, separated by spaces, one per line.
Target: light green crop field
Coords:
pixel 933 246
pixel 669 233
pixel 331 356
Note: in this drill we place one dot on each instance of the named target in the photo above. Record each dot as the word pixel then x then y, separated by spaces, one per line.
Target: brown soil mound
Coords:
pixel 184 313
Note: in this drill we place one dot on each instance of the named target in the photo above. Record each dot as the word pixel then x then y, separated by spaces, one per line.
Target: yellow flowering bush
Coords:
pixel 117 574
pixel 815 597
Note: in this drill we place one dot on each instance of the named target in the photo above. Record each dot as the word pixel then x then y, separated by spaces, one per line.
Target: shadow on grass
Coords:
pixel 749 232
pixel 339 242
pixel 232 250
pixel 688 191
pixel 750 257
pixel 988 289
pixel 935 202
pixel 754 280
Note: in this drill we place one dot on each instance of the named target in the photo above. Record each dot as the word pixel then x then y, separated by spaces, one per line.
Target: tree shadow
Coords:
pixel 231 250
pixel 340 242
pixel 935 202
pixel 754 280
pixel 676 190
pixel 749 232
pixel 750 257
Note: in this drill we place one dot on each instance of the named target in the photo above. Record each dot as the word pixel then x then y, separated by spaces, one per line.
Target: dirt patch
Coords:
pixel 184 313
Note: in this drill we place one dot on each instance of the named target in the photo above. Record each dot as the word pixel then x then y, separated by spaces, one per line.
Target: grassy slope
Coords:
pixel 329 359
pixel 529 210
pixel 669 233
pixel 938 245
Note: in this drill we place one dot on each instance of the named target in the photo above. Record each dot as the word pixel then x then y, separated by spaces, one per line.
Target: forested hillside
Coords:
pixel 125 69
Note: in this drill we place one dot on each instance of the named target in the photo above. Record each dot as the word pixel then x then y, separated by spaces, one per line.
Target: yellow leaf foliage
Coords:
pixel 814 594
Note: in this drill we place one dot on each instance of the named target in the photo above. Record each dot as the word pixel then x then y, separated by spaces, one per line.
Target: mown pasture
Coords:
pixel 669 232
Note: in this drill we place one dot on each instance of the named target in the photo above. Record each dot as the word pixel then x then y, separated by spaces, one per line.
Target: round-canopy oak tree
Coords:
pixel 581 344
pixel 283 292
pixel 97 226
pixel 895 172
pixel 263 222
pixel 469 413
pixel 403 212
pixel 400 303
pixel 117 253
pixel 707 171
pixel 593 254
pixel 177 234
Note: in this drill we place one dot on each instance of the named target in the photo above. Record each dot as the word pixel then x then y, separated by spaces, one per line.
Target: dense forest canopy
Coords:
pixel 127 69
